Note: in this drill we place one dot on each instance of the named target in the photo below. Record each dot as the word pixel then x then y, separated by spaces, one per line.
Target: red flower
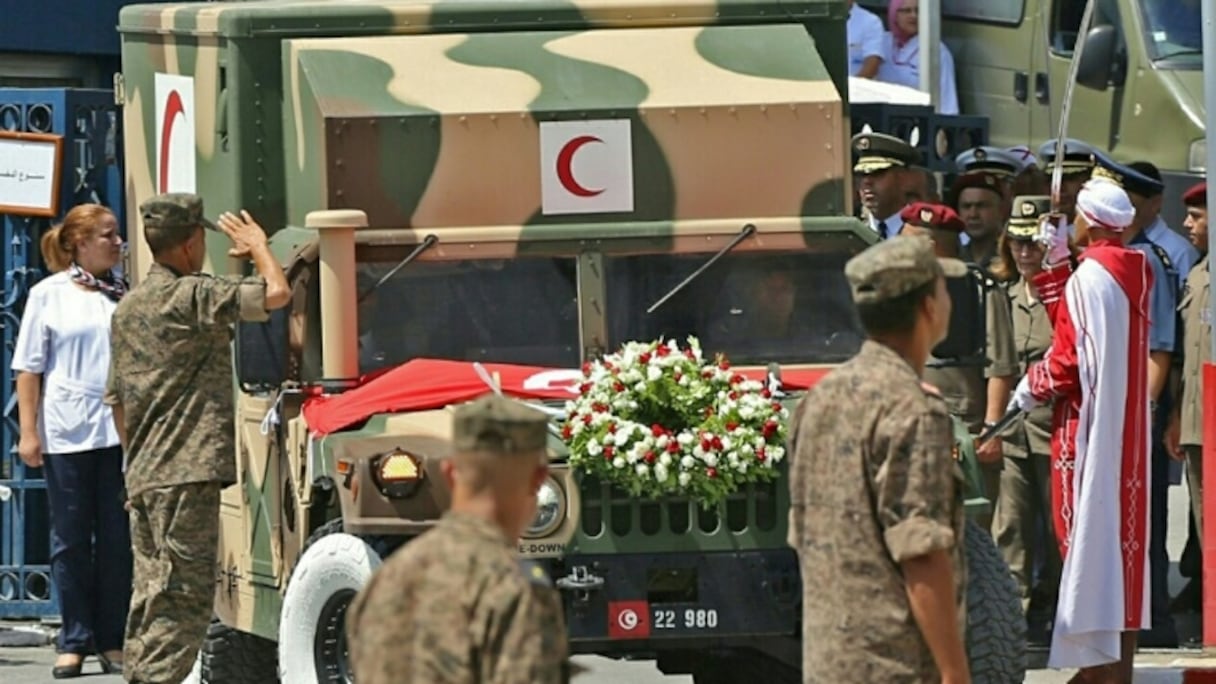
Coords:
pixel 737 378
pixel 673 447
pixel 567 431
pixel 711 472
pixel 691 356
pixel 663 350
pixel 766 394
pixel 608 451
pixel 717 443
pixel 760 455
pixel 734 396
pixel 584 388
pixel 657 430
pixel 587 419
pixel 770 428
pixel 724 365
pixel 678 376
pixel 707 374
pixel 612 428
pixel 618 387
pixel 587 368
pixel 706 443
pixel 599 408
pixel 649 457
pixel 645 357
pixel 777 407
pixel 730 427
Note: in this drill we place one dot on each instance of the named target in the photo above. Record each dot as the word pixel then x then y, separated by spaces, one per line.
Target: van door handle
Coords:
pixel 1042 88
pixel 1021 86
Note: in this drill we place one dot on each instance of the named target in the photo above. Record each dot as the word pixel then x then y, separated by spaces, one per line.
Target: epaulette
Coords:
pixel 534 573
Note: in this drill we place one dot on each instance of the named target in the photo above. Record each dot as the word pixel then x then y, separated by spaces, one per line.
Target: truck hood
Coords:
pixel 1187 88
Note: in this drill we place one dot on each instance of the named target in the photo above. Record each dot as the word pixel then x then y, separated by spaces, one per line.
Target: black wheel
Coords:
pixel 996 627
pixel 232 656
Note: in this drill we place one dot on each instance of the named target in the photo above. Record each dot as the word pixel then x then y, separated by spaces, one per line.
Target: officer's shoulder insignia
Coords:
pixel 534 573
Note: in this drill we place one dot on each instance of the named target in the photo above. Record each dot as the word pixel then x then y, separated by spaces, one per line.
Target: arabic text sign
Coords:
pixel 29 174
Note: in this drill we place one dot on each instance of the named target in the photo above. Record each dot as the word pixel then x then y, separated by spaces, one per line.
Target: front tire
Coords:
pixel 996 626
pixel 312 624
pixel 232 656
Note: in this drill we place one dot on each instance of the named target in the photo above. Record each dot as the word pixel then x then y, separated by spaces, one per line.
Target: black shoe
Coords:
pixel 1190 599
pixel 109 666
pixel 67 671
pixel 1160 636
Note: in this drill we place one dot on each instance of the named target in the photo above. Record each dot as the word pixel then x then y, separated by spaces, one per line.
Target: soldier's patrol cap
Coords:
pixel 1125 176
pixel 499 424
pixel 986 159
pixel 874 152
pixel 1197 195
pixel 1078 156
pixel 934 216
pixel 895 267
pixel 174 211
pixel 1024 218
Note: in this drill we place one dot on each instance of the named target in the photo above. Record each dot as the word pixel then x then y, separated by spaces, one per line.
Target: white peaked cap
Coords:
pixel 1105 205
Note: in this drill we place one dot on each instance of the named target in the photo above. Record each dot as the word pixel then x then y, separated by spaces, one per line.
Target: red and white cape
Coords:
pixel 1097 368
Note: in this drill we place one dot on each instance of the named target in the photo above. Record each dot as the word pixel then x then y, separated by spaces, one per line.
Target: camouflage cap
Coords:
pixel 494 423
pixel 897 266
pixel 1024 218
pixel 174 211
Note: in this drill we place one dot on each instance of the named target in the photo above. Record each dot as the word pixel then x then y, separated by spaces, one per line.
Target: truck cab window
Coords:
pixel 995 11
pixel 1066 21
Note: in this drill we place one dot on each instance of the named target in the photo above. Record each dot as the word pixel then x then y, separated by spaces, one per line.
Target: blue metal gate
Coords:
pixel 90 124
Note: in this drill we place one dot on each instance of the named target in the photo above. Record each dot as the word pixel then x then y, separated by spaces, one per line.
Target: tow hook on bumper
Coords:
pixel 581 582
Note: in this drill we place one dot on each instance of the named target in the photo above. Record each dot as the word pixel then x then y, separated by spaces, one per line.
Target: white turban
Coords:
pixel 1105 205
pixel 1025 157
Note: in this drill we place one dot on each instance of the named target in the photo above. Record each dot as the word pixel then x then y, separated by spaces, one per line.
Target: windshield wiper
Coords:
pixel 427 242
pixel 1181 53
pixel 743 235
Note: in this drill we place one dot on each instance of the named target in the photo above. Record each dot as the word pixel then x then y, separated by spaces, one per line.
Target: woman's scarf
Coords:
pixel 901 38
pixel 108 285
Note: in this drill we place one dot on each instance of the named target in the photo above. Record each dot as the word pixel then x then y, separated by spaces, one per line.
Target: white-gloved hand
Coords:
pixel 1053 237
pixel 1022 399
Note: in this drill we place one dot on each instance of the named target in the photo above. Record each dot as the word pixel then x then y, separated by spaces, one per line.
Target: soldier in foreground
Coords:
pixel 170 386
pixel 456 604
pixel 894 536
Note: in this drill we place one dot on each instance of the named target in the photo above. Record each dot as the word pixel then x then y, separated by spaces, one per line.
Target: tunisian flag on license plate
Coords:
pixel 426 384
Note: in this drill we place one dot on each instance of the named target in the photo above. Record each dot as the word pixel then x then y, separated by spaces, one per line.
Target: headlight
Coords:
pixel 398 473
pixel 550 510
pixel 1197 160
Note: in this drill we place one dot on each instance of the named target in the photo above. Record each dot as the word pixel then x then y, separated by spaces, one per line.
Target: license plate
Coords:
pixel 683 619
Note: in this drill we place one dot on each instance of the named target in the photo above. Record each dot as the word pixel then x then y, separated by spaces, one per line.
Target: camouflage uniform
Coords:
pixel 457 605
pixel 171 370
pixel 873 483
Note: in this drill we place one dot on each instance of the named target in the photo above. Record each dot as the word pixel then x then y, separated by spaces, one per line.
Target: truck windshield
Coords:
pixel 521 310
pixel 1174 31
pixel 755 308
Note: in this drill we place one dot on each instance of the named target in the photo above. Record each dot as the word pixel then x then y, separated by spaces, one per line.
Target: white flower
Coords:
pixel 733 458
pixel 623 436
pixel 684 381
pixel 640 387
pixel 632 457
pixel 661 442
pixel 687 462
pixel 742 467
pixel 747 412
pixel 776 453
pixel 660 473
pixel 711 460
pixel 618 462
pixel 594 448
pixel 654 373
pixel 726 443
pixel 685 438
pixel 642 469
pixel 665 459
pixel 685 478
pixel 698 451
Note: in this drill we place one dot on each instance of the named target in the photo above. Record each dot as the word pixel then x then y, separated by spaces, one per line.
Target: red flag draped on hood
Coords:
pixel 425 384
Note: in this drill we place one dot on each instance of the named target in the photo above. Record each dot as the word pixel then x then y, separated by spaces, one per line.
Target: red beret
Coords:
pixel 935 216
pixel 983 181
pixel 1197 196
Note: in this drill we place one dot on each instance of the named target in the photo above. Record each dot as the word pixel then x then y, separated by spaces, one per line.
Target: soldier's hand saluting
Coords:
pixel 245 233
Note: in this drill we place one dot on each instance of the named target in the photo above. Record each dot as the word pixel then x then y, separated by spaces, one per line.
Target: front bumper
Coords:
pixel 644 603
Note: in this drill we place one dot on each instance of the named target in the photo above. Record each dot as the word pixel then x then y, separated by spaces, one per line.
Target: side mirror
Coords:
pixel 1098 58
pixel 262 352
pixel 966 342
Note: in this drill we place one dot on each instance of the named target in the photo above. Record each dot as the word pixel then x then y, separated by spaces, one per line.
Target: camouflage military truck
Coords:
pixel 516 184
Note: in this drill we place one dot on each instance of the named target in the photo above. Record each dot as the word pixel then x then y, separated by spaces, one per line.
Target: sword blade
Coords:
pixel 1057 174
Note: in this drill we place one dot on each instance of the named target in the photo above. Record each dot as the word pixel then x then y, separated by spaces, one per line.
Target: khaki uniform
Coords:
pixel 1196 311
pixel 872 483
pixel 171 369
pixel 1026 480
pixel 456 605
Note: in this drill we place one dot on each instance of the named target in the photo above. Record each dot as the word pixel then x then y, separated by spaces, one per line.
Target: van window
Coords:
pixel 1174 29
pixel 1066 21
pixel 997 11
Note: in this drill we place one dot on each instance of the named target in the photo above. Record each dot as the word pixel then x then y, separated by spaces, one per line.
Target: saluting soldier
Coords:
pixel 456 605
pixel 170 386
pixel 876 507
pixel 1185 435
pixel 964 386
pixel 883 168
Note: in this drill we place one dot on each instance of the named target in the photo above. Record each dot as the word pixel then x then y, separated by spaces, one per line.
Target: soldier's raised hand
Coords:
pixel 1053 236
pixel 245 233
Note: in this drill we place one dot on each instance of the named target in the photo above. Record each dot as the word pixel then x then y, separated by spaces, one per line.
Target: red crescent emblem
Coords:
pixel 565 173
pixel 173 107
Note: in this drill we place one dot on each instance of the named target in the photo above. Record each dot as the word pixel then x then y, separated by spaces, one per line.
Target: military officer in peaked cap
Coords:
pixel 982 201
pixel 456 605
pixel 1163 334
pixel 1077 163
pixel 900 524
pixel 992 160
pixel 883 166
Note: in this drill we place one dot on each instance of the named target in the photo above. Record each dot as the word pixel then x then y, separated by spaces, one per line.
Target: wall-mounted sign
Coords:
pixel 29 173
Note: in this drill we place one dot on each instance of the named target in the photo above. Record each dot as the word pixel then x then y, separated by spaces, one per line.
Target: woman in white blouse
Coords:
pixel 62 358
pixel 901 63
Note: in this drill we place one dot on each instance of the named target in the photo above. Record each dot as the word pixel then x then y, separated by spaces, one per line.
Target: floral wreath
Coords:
pixel 657 420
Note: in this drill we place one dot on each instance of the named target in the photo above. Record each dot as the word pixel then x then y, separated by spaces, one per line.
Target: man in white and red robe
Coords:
pixel 1097 371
